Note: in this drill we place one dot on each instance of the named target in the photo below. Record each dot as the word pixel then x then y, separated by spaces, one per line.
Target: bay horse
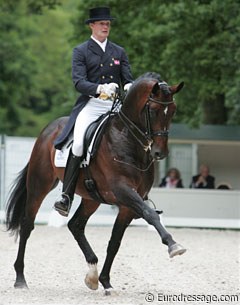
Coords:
pixel 123 170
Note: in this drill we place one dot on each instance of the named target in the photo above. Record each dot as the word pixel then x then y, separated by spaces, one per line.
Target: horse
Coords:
pixel 123 169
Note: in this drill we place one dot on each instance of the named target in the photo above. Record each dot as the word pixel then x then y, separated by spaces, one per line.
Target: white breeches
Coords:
pixel 90 113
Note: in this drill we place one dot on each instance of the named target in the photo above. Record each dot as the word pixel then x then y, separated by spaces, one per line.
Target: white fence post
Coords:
pixel 2 172
pixel 2 177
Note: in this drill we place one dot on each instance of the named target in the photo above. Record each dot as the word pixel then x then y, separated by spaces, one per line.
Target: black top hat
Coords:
pixel 99 13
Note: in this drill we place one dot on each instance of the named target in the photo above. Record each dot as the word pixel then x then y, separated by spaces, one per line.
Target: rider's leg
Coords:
pixel 73 163
pixel 69 184
pixel 89 114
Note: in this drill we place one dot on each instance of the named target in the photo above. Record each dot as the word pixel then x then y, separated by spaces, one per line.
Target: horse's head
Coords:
pixel 150 106
pixel 158 112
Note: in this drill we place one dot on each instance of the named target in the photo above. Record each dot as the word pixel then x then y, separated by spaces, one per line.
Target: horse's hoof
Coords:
pixel 176 249
pixel 108 291
pixel 91 283
pixel 20 285
pixel 91 279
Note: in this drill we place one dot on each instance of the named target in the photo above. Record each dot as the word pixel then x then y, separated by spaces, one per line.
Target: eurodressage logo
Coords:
pixel 187 298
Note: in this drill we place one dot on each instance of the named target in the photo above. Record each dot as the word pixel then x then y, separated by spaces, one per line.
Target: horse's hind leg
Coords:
pixel 123 219
pixel 38 187
pixel 77 226
pixel 25 231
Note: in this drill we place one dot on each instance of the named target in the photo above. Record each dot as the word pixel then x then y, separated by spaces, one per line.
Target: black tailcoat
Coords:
pixel 91 67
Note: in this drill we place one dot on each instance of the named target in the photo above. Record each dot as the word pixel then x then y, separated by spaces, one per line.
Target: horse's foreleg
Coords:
pixel 134 201
pixel 77 226
pixel 123 219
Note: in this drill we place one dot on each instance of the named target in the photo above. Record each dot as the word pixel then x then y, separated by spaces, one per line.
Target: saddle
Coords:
pixel 92 140
pixel 94 134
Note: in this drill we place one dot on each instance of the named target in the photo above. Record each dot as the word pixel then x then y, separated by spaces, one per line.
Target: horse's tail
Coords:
pixel 16 202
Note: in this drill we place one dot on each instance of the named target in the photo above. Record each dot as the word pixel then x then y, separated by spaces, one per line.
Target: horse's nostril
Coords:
pixel 157 155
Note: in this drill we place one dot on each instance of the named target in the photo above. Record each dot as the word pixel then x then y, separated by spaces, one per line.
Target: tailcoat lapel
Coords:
pixel 95 48
pixel 108 52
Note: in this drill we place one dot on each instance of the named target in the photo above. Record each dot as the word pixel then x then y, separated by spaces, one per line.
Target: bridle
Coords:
pixel 156 133
pixel 145 139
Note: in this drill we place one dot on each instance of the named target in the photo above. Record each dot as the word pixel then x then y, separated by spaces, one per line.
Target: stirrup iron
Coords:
pixel 62 211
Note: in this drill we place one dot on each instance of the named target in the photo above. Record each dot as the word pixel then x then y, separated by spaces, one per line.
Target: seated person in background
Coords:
pixel 203 180
pixel 224 186
pixel 172 179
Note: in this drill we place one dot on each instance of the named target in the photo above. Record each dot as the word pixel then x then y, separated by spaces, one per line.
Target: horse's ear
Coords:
pixel 177 88
pixel 155 88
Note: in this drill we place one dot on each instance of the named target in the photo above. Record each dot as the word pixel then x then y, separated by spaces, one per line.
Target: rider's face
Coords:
pixel 100 29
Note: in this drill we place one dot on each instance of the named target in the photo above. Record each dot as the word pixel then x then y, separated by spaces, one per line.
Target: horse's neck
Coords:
pixel 132 112
pixel 124 145
pixel 133 107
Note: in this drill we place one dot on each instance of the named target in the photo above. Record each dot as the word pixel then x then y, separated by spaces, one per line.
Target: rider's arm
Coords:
pixel 79 73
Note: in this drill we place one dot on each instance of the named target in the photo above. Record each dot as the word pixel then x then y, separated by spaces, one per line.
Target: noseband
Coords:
pixel 145 139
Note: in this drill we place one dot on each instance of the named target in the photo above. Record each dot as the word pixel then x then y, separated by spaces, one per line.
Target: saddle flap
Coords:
pixel 93 135
pixel 92 140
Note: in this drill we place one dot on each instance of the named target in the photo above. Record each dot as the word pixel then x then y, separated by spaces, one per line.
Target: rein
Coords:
pixel 144 138
pixel 135 167
pixel 133 129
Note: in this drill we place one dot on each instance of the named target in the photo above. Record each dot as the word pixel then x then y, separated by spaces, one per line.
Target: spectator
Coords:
pixel 172 179
pixel 203 180
pixel 224 186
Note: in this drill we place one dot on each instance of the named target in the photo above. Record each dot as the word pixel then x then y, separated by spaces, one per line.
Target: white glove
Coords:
pixel 113 87
pixel 127 86
pixel 109 89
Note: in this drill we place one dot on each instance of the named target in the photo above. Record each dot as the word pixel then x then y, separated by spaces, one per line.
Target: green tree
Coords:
pixel 35 84
pixel 203 50
pixel 197 41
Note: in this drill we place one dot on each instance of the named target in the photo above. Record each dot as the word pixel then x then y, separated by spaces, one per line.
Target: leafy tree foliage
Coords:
pixel 197 41
pixel 35 69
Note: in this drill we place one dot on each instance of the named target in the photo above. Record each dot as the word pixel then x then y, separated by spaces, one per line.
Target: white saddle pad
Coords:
pixel 61 156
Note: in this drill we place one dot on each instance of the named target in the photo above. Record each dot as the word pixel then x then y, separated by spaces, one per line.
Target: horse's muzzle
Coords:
pixel 158 155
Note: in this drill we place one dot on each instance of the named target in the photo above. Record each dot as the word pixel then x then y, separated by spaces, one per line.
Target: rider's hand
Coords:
pixel 108 89
pixel 127 86
pixel 113 86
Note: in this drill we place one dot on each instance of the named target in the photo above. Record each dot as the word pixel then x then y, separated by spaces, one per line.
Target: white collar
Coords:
pixel 101 44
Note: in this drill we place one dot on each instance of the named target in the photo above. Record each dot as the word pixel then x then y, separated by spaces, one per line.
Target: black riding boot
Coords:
pixel 71 174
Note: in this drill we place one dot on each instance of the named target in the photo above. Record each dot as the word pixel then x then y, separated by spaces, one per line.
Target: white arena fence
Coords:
pixel 181 207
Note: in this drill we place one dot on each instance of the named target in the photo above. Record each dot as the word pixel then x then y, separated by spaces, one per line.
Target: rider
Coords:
pixel 99 67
